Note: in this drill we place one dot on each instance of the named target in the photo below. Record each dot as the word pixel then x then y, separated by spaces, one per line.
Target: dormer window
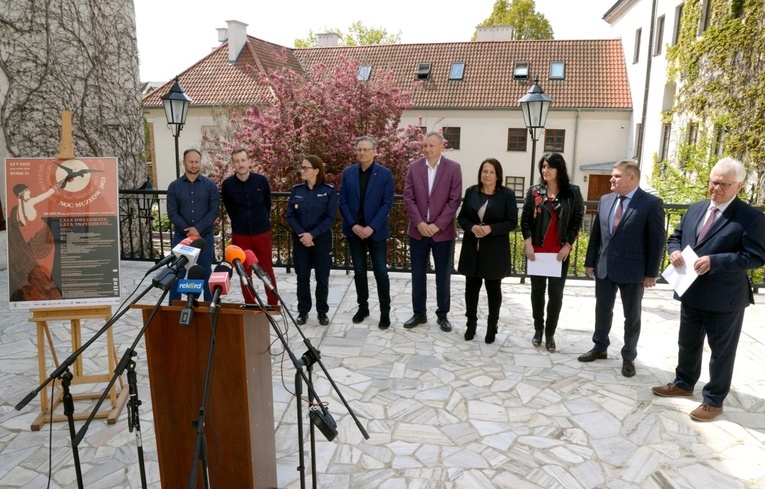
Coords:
pixel 365 71
pixel 457 71
pixel 423 71
pixel 557 70
pixel 521 70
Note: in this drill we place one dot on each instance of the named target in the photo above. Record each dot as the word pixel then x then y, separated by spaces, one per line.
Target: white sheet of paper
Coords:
pixel 682 278
pixel 544 265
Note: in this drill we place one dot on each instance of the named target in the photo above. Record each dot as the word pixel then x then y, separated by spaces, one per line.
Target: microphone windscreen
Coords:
pixel 223 267
pixel 250 258
pixel 198 243
pixel 234 252
pixel 196 272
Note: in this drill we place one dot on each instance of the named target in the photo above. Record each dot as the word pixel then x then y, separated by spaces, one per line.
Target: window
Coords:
pixel 638 141
pixel 521 70
pixel 693 134
pixel 423 71
pixel 706 8
pixel 516 139
pixel 557 70
pixel 364 73
pixel 636 54
pixel 659 36
pixel 457 71
pixel 737 9
pixel 678 24
pixel 554 139
pixel 452 136
pixel 666 131
pixel 719 144
pixel 423 129
pixel 517 185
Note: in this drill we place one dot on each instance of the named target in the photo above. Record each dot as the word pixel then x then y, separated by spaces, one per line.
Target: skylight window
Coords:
pixel 457 71
pixel 521 71
pixel 423 71
pixel 365 71
pixel 557 70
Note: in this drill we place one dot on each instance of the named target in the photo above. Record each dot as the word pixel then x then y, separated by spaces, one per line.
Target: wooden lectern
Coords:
pixel 239 419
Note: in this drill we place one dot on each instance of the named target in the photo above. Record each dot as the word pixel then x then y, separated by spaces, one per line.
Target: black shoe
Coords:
pixel 384 320
pixel 446 326
pixel 470 332
pixel 537 339
pixel 302 318
pixel 593 355
pixel 628 368
pixel 491 335
pixel 323 318
pixel 550 344
pixel 360 315
pixel 415 320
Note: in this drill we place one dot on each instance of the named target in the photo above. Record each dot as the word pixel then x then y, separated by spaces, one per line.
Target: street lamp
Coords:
pixel 534 106
pixel 176 104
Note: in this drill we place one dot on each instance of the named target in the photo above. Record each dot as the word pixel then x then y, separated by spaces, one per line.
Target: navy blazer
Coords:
pixel 635 249
pixel 735 243
pixel 378 202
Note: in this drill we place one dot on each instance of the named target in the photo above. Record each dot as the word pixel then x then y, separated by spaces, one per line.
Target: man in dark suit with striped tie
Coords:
pixel 624 254
pixel 728 236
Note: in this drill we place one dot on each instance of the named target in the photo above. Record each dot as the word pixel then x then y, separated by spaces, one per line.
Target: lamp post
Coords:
pixel 534 106
pixel 176 104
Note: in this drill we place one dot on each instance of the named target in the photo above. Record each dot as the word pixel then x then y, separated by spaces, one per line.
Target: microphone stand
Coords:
pixel 64 374
pixel 319 414
pixel 200 450
pixel 164 280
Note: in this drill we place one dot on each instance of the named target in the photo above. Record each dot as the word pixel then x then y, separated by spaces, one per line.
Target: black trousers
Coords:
pixel 554 286
pixel 493 291
pixel 722 330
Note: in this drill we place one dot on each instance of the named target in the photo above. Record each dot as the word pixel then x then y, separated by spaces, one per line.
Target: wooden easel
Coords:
pixel 117 397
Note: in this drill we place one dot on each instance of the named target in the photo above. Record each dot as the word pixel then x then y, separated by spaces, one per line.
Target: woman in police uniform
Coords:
pixel 311 212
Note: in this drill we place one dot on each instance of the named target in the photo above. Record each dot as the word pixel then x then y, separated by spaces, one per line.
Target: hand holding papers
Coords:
pixel 545 265
pixel 682 278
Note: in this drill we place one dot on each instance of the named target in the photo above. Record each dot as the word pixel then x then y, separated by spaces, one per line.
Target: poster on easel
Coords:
pixel 63 232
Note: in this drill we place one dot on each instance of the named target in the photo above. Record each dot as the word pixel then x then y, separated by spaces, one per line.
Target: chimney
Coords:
pixel 222 34
pixel 236 34
pixel 494 33
pixel 328 40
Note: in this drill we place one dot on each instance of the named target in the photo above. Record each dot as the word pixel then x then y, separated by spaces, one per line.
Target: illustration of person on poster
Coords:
pixel 30 248
pixel 62 231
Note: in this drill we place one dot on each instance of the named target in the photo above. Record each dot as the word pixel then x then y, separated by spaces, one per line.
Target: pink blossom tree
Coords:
pixel 321 112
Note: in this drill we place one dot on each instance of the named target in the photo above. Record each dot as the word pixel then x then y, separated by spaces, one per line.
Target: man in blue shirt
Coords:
pixel 193 203
pixel 247 198
pixel 366 199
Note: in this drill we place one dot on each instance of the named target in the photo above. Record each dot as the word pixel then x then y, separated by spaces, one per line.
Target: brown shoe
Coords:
pixel 670 390
pixel 705 412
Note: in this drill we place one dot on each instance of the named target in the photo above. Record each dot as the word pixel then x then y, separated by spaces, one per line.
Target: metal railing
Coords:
pixel 147 233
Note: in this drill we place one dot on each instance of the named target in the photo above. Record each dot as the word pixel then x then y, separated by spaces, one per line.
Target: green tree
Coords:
pixel 522 16
pixel 720 75
pixel 358 35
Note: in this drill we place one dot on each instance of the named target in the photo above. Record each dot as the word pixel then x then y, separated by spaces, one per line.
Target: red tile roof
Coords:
pixel 596 75
pixel 213 81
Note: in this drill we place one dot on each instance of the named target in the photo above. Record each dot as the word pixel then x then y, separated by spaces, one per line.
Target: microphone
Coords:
pixel 193 287
pixel 235 255
pixel 252 263
pixel 171 257
pixel 220 282
pixel 188 254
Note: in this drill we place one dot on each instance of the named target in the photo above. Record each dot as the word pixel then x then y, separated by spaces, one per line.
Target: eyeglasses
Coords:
pixel 305 168
pixel 724 186
pixel 364 150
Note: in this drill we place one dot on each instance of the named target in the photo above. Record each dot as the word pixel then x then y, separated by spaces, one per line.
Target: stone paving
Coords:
pixel 441 412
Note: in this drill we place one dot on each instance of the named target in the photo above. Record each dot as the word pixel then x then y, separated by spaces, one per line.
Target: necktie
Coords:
pixel 618 213
pixel 708 224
